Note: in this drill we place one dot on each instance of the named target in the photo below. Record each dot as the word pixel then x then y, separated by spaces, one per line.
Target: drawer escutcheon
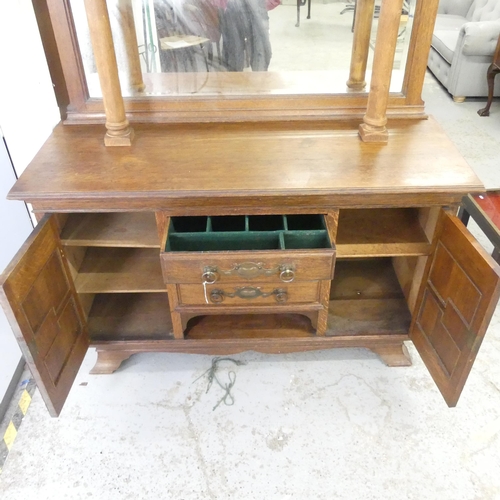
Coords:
pixel 249 270
pixel 248 292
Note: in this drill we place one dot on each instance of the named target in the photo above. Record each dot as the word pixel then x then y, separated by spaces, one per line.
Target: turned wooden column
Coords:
pixel 361 44
pixel 373 127
pixel 118 131
pixel 127 23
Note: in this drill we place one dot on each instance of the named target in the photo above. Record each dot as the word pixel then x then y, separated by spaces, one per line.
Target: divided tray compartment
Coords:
pixel 247 232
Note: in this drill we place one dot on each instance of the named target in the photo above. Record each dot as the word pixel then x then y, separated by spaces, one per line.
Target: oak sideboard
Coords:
pixel 275 237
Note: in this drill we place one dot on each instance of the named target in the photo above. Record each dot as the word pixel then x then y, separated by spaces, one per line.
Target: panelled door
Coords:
pixel 456 303
pixel 39 298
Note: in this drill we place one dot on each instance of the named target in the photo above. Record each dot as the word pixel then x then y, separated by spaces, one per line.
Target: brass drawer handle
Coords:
pixel 248 292
pixel 287 274
pixel 209 276
pixel 249 270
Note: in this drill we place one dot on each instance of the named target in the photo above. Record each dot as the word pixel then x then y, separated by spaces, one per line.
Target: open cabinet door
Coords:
pixel 456 302
pixel 40 301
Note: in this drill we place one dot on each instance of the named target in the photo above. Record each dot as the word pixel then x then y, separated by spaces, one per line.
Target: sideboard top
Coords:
pixel 198 168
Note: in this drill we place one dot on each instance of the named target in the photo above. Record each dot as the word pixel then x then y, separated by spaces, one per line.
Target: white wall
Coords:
pixel 28 109
pixel 28 113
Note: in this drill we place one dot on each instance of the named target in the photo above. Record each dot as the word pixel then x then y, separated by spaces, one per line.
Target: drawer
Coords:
pixel 234 249
pixel 243 294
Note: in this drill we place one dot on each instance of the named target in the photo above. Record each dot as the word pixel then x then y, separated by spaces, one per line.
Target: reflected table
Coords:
pixel 493 70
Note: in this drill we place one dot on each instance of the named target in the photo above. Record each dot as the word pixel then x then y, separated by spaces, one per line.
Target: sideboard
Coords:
pixel 275 237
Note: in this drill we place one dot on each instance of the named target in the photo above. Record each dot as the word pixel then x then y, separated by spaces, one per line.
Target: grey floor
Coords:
pixel 334 424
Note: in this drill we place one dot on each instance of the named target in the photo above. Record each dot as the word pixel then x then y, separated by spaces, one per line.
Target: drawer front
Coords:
pixel 242 294
pixel 279 267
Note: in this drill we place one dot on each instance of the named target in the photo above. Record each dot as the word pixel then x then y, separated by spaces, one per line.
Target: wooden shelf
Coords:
pixel 119 270
pixel 248 326
pixel 134 316
pixel 380 232
pixel 129 229
pixel 145 317
pixel 371 317
pixel 368 317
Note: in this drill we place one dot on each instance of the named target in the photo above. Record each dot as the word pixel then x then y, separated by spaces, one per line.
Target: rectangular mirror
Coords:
pixel 193 78
pixel 236 47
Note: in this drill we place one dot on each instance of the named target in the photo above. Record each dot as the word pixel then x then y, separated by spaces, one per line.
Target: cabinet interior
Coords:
pixel 115 265
pixel 366 297
pixel 129 316
pixel 114 261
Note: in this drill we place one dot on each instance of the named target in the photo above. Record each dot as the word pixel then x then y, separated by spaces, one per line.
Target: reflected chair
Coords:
pixel 301 3
pixel 351 7
pixel 182 35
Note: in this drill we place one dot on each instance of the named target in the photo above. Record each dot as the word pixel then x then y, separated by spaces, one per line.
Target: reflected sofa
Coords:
pixel 463 43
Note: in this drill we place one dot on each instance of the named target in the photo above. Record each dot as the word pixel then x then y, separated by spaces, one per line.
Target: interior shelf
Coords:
pixel 145 316
pixel 134 316
pixel 382 317
pixel 128 229
pixel 116 317
pixel 249 326
pixel 368 317
pixel 380 232
pixel 119 270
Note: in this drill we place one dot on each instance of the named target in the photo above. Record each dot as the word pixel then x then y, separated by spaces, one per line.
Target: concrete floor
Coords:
pixel 334 424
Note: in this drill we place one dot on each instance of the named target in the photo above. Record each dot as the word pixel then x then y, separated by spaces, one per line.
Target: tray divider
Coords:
pixel 282 240
pixel 209 224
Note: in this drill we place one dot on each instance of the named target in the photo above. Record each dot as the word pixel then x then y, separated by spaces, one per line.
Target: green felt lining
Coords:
pixel 254 232
pixel 306 239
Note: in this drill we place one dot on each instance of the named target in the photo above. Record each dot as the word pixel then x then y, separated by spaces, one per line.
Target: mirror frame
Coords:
pixel 60 42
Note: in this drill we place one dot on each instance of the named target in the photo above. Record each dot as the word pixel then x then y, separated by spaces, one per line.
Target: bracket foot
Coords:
pixel 109 361
pixel 393 355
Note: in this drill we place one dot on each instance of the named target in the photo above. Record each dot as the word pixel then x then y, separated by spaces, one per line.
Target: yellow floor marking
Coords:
pixel 25 402
pixel 10 435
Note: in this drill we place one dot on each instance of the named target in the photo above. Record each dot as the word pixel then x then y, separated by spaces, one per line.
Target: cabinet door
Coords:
pixel 456 302
pixel 39 298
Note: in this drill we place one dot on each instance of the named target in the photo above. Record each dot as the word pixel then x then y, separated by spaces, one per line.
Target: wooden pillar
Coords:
pixel 373 127
pixel 361 44
pixel 127 23
pixel 118 131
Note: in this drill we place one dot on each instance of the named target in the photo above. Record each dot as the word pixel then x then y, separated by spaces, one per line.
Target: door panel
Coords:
pixel 456 302
pixel 39 298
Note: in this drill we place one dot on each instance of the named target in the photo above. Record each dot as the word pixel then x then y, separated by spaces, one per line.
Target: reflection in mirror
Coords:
pixel 235 47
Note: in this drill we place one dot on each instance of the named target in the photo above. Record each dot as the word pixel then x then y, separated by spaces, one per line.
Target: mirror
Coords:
pixel 235 47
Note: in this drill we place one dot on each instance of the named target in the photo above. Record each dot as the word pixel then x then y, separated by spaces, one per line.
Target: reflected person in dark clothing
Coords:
pixel 244 26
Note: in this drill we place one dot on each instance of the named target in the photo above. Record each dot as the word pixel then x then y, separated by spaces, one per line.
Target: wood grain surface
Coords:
pixel 379 232
pixel 461 290
pixel 130 316
pixel 188 267
pixel 253 168
pixel 127 229
pixel 42 306
pixel 107 270
pixel 297 292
